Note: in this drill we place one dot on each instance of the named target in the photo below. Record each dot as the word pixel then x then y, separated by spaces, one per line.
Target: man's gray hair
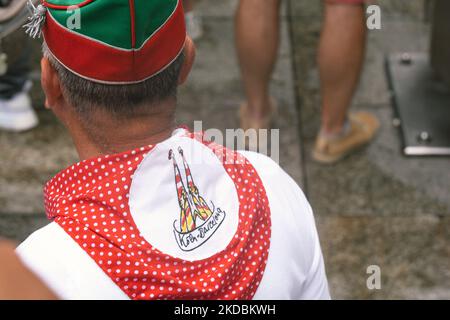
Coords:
pixel 118 100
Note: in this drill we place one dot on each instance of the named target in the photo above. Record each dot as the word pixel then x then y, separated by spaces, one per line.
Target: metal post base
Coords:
pixel 421 103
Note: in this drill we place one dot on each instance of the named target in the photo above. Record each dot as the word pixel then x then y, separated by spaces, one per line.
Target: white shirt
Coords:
pixel 295 268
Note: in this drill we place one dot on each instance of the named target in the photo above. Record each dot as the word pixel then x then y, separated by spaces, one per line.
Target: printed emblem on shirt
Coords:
pixel 184 202
pixel 198 220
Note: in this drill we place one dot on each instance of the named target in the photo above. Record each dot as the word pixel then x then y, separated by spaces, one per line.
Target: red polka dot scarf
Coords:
pixel 183 219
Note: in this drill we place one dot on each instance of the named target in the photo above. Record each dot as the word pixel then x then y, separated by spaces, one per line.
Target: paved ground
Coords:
pixel 376 208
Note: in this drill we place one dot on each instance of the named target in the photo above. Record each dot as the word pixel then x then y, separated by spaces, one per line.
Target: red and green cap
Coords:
pixel 115 41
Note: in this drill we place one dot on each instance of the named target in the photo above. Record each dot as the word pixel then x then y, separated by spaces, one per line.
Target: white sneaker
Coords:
pixel 194 25
pixel 17 114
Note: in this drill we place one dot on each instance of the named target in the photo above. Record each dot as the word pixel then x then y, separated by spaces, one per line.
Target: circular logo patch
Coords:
pixel 183 201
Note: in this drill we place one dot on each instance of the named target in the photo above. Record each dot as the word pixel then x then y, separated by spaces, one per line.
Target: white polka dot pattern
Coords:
pixel 90 202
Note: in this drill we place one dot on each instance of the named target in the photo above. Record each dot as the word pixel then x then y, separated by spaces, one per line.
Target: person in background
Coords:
pixel 340 58
pixel 16 111
pixel 194 23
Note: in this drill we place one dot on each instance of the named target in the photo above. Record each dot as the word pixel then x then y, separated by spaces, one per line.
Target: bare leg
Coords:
pixel 341 55
pixel 257 38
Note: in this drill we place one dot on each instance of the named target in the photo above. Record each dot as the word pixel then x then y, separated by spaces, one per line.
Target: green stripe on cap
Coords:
pixel 67 3
pixel 150 15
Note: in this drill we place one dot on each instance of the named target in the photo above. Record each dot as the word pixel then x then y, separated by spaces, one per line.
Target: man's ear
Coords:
pixel 50 84
pixel 189 58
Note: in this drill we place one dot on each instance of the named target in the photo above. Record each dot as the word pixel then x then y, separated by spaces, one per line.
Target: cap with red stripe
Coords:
pixel 114 41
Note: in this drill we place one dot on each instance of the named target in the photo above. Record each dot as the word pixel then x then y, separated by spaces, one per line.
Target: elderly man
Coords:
pixel 153 211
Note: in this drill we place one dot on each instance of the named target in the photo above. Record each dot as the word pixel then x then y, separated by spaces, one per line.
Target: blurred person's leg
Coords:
pixel 341 57
pixel 16 112
pixel 257 39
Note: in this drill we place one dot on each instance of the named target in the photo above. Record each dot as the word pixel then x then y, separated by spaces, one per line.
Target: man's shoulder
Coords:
pixel 273 176
pixel 42 238
pixel 288 203
pixel 266 167
pixel 43 253
pixel 61 264
pixel 295 265
pixel 258 159
pixel 46 248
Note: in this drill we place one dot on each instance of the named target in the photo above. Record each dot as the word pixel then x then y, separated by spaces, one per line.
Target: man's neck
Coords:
pixel 106 135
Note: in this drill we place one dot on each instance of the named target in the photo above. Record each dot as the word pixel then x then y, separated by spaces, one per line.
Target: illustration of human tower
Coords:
pixel 192 204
